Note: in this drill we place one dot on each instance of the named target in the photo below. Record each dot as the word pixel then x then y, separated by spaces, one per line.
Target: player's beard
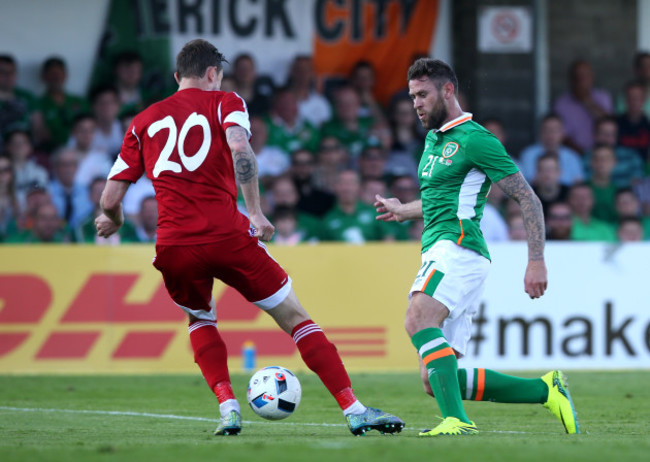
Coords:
pixel 436 118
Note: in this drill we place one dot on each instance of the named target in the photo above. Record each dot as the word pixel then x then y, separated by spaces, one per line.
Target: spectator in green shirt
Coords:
pixel 284 194
pixel 287 130
pixel 584 226
pixel 603 162
pixel 630 230
pixel 47 228
pixel 16 105
pixel 628 205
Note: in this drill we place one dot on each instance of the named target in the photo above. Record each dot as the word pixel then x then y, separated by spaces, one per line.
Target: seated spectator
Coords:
pixel 633 123
pixel 48 228
pixel 27 173
pixel 283 194
pixel 133 198
pixel 628 169
pixel 57 107
pixel 351 220
pixel 286 130
pixel 372 162
pixel 16 104
pixel 584 226
pixel 546 183
pixel 9 210
pixel 370 187
pixel 603 161
pixel 346 125
pixel 312 106
pixel 407 137
pixel 629 230
pixel 256 90
pixel 105 107
pixel 86 232
pixel 581 105
pixel 362 79
pixel 551 133
pixel 332 159
pixel 405 188
pixel 628 205
pixel 128 70
pixel 286 227
pixel 69 197
pixel 641 68
pixel 516 228
pixel 559 222
pixel 271 160
pixel 313 200
pixel 92 162
pixel 147 223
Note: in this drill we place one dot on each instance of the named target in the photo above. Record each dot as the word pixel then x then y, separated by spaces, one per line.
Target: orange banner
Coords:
pixel 386 34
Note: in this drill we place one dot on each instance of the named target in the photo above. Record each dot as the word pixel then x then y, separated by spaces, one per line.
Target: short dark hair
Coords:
pixel 52 61
pixel 127 57
pixel 639 57
pixel 7 59
pixel 195 58
pixel 99 90
pixel 438 71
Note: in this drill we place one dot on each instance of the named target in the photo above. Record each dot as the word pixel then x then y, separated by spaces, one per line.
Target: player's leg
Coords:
pixel 189 285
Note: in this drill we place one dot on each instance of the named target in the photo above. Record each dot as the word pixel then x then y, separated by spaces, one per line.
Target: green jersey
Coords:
pixel 460 162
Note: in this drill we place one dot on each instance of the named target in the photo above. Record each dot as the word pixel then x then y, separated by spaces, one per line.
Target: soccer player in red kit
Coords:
pixel 194 147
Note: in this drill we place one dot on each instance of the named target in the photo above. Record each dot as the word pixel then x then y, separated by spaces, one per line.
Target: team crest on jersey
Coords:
pixel 450 149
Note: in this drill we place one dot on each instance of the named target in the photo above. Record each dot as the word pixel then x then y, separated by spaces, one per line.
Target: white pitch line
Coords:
pixel 204 419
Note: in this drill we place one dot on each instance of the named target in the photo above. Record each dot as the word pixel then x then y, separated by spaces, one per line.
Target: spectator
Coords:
pixel 313 200
pixel 603 161
pixel 641 65
pixel 558 222
pixel 9 210
pixel 16 104
pixel 407 138
pixel 551 133
pixel 370 187
pixel 628 169
pixel 628 205
pixel 547 184
pixel 286 227
pixel 351 220
pixel 629 230
pixel 147 223
pixel 69 197
pixel 47 228
pixel 271 160
pixel 86 232
pixel 57 108
pixel 256 90
pixel 92 162
pixel 284 194
pixel 581 106
pixel 128 69
pixel 405 188
pixel 332 158
pixel 286 130
pixel 106 106
pixel 134 196
pixel 27 173
pixel 372 162
pixel 362 79
pixel 346 125
pixel 584 226
pixel 516 228
pixel 312 106
pixel 633 124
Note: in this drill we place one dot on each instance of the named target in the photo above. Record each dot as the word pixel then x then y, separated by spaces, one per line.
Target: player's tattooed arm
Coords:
pixel 516 187
pixel 242 155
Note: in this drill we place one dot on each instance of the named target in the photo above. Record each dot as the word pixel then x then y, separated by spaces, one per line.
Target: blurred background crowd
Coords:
pixel 324 149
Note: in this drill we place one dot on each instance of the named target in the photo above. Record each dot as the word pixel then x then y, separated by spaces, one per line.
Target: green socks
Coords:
pixel 441 364
pixel 488 385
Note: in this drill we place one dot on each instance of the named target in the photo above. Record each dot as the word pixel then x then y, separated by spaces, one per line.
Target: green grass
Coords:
pixel 613 408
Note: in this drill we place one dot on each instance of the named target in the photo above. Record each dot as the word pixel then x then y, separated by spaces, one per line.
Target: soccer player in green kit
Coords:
pixel 461 160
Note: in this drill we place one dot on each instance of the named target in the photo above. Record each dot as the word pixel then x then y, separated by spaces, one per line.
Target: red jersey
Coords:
pixel 181 144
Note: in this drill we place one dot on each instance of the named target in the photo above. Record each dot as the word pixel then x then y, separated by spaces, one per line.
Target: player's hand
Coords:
pixel 263 228
pixel 388 208
pixel 535 281
pixel 105 226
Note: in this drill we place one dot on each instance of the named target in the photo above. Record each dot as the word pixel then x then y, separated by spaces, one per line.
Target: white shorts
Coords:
pixel 455 276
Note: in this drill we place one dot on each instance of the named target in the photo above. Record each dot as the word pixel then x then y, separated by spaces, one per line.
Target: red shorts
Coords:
pixel 241 262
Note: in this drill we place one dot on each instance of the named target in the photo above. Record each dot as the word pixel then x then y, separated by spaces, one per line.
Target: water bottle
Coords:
pixel 248 356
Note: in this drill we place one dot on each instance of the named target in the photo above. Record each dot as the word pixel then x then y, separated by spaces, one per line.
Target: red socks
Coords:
pixel 211 356
pixel 321 356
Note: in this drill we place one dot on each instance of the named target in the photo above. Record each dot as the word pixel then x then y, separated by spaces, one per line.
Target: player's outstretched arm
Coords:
pixel 112 218
pixel 245 165
pixel 392 209
pixel 515 186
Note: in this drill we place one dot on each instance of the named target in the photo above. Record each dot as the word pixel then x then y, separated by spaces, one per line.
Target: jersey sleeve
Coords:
pixel 490 156
pixel 233 111
pixel 129 164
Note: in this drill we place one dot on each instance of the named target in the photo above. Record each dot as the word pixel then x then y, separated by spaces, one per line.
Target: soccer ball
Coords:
pixel 274 393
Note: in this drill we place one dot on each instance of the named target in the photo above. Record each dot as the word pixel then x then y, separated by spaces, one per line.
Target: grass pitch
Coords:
pixel 172 417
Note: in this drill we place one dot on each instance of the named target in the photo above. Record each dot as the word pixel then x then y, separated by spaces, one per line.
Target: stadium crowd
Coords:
pixel 323 155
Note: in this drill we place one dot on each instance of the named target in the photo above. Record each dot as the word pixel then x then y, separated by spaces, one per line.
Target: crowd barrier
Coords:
pixel 74 309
